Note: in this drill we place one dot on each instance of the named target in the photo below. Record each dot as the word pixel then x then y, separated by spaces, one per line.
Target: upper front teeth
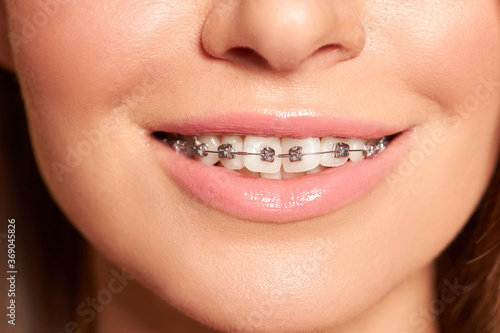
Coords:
pixel 267 155
pixel 263 153
pixel 297 148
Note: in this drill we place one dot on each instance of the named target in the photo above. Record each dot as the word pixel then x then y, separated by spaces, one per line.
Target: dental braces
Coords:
pixel 268 154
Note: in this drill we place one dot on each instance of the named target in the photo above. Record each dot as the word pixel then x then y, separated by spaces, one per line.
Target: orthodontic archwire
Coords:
pixel 268 154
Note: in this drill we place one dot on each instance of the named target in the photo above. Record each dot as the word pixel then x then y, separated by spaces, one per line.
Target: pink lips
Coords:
pixel 287 200
pixel 283 125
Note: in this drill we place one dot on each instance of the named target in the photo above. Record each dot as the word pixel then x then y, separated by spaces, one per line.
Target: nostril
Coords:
pixel 247 56
pixel 329 48
pixel 332 53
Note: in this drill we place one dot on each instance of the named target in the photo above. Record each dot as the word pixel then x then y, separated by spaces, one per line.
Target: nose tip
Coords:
pixel 283 34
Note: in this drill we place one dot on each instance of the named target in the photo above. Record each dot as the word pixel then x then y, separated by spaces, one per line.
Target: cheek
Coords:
pixel 449 51
pixel 81 63
pixel 85 57
pixel 443 49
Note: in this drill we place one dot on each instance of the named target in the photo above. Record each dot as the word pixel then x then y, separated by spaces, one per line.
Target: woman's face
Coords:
pixel 235 251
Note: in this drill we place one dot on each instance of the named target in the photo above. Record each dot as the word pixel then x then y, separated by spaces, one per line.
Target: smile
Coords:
pixel 272 157
pixel 278 174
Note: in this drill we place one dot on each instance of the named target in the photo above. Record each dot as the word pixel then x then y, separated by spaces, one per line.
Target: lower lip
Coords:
pixel 287 200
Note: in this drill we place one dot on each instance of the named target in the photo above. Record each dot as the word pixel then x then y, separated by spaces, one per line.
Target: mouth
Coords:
pixel 274 157
pixel 254 174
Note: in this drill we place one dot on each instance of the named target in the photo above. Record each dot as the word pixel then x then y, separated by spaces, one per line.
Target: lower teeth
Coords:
pixel 263 157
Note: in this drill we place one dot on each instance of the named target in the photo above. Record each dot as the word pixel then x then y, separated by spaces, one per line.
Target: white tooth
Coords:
pixel 317 169
pixel 327 144
pixel 309 162
pixel 213 144
pixel 247 172
pixel 356 156
pixel 287 175
pixel 237 162
pixel 276 175
pixel 253 144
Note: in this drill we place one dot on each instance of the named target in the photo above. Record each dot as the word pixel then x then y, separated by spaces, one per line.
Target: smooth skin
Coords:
pixel 103 70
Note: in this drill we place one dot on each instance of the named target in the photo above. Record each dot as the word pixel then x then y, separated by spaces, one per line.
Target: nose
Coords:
pixel 283 35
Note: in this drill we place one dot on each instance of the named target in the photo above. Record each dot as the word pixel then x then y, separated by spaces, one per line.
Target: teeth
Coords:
pixel 237 162
pixel 317 169
pixel 327 144
pixel 254 144
pixel 212 143
pixel 263 156
pixel 247 172
pixel 287 175
pixel 373 145
pixel 356 156
pixel 276 175
pixel 308 162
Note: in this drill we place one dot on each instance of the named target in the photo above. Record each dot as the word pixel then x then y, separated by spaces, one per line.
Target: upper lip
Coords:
pixel 281 124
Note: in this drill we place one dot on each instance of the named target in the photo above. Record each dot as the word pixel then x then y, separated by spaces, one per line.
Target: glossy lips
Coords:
pixel 270 155
pixel 281 200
